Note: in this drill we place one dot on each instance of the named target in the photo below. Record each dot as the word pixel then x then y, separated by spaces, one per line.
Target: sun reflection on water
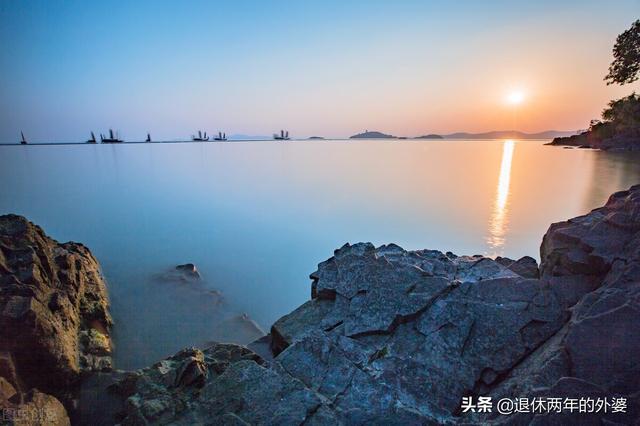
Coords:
pixel 498 222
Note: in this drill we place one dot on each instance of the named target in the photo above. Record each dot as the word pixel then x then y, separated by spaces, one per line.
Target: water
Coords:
pixel 257 217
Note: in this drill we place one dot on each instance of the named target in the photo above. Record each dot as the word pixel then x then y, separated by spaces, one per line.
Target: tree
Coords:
pixel 626 57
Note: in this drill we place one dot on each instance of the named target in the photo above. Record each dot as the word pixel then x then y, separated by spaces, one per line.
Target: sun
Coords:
pixel 516 97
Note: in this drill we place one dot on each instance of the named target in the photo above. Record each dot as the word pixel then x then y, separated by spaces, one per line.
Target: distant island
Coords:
pixel 510 134
pixel 315 138
pixel 372 135
pixel 431 136
pixel 495 134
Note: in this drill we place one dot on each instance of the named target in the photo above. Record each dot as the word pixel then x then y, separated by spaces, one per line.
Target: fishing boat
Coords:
pixel 113 138
pixel 23 141
pixel 221 137
pixel 93 139
pixel 200 137
pixel 283 136
pixel 148 137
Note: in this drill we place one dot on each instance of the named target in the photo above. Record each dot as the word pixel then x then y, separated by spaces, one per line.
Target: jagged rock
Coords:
pixel 592 263
pixel 53 305
pixel 399 337
pixel 526 266
pixel 419 329
pixel 231 386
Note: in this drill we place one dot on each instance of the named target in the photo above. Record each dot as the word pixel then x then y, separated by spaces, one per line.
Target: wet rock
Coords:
pixel 185 273
pixel 53 305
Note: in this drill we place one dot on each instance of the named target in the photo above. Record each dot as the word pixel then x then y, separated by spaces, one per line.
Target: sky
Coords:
pixel 327 68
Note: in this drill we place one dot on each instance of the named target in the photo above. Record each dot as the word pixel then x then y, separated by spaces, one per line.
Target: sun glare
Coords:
pixel 515 98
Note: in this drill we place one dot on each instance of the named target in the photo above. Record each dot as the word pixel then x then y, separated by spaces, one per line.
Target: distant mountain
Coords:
pixel 510 134
pixel 372 135
pixel 431 136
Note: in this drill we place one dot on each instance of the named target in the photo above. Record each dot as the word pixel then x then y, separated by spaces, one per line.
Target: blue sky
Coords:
pixel 331 68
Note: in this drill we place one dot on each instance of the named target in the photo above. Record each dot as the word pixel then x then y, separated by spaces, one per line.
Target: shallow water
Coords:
pixel 257 217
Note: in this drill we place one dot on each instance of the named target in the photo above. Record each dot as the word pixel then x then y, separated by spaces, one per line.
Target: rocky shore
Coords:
pixel 54 321
pixel 388 336
pixel 626 141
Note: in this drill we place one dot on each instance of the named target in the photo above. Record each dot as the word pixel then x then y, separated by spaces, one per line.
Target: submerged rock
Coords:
pixel 54 313
pixel 240 329
pixel 181 273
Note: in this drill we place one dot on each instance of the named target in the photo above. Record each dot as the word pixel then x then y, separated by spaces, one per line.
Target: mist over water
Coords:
pixel 257 217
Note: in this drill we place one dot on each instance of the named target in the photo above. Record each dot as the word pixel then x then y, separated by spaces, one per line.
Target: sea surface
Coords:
pixel 257 217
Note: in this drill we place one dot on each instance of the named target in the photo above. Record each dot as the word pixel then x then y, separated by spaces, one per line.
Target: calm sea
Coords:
pixel 257 217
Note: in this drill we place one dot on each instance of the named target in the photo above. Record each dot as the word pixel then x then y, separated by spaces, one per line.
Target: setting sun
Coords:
pixel 515 97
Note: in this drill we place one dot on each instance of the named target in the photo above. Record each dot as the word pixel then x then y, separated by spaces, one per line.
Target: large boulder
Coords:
pixel 54 311
pixel 592 263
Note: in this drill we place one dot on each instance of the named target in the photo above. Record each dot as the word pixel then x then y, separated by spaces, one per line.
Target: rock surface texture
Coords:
pixel 54 317
pixel 400 337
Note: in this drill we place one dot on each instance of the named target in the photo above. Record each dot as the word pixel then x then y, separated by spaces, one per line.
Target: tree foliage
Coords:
pixel 626 57
pixel 621 117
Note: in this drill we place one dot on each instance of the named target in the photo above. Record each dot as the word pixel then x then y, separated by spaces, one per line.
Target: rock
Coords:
pixel 182 273
pixel 224 384
pixel 7 391
pixel 53 307
pixel 99 404
pixel 38 409
pixel 189 270
pixel 626 141
pixel 592 263
pixel 526 266
pixel 392 336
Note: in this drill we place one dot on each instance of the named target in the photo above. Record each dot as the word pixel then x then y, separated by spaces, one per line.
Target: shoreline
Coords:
pixel 271 140
pixel 374 332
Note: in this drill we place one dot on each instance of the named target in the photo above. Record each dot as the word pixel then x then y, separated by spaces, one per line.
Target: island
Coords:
pixel 315 138
pixel 372 135
pixel 430 136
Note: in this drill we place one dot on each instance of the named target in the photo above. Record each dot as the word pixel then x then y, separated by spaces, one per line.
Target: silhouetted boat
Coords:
pixel 23 141
pixel 200 137
pixel 111 139
pixel 283 136
pixel 148 138
pixel 221 137
pixel 93 139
